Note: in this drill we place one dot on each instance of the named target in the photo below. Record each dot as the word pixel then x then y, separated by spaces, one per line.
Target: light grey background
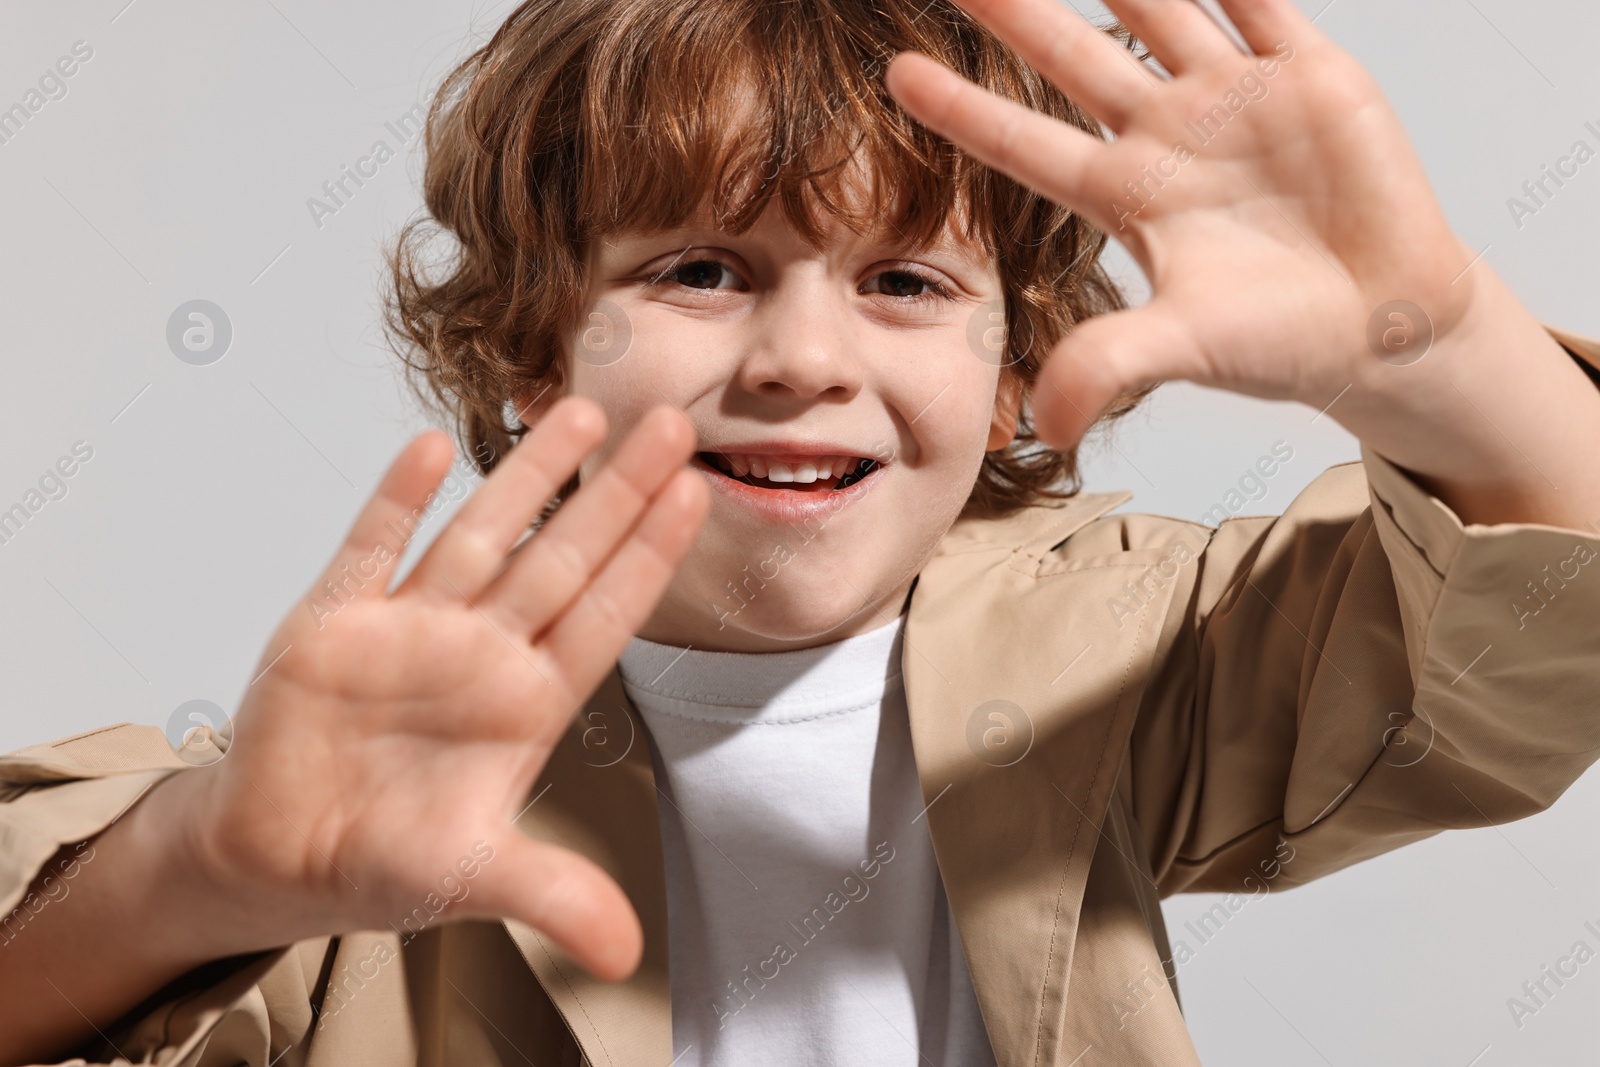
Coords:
pixel 178 167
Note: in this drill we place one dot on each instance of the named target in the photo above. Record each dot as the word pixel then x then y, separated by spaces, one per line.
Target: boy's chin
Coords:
pixel 805 628
pixel 770 620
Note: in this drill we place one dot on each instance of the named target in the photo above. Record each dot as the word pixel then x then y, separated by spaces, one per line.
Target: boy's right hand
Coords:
pixel 404 727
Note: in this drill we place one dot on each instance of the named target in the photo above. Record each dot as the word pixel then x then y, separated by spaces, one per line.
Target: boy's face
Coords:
pixel 769 348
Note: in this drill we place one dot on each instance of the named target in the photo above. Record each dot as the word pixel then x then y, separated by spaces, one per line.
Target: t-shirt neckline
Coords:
pixel 749 687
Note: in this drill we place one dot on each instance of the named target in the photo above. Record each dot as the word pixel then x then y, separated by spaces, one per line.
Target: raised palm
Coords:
pixel 1272 199
pixel 391 733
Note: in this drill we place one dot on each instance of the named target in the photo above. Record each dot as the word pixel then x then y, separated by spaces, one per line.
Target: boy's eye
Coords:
pixel 900 282
pixel 700 274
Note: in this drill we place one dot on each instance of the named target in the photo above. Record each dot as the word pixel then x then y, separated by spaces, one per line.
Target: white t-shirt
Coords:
pixel 807 923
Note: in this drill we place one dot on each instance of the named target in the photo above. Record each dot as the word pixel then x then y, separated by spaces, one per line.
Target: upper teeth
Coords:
pixel 810 470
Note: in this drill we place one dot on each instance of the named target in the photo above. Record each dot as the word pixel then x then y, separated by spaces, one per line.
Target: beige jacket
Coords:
pixel 1105 709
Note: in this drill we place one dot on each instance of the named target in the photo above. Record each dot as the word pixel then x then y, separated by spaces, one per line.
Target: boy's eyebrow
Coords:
pixel 944 246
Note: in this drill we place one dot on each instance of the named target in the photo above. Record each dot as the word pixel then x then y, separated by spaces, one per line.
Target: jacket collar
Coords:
pixel 597 796
pixel 1022 689
pixel 1030 531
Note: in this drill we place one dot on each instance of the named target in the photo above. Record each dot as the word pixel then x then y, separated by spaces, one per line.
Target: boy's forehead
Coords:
pixel 947 242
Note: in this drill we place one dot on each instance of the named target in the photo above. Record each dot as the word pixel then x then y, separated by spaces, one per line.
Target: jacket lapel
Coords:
pixel 597 796
pixel 1022 686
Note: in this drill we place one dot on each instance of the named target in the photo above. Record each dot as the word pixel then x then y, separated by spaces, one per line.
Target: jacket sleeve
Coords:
pixel 64 793
pixel 1358 673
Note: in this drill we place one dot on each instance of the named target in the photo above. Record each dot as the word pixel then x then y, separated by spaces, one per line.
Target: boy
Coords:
pixel 896 695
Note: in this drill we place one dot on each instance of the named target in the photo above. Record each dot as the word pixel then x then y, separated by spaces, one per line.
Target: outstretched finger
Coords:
pixel 565 897
pixel 372 549
pixel 552 567
pixel 1055 159
pixel 1107 357
pixel 1079 58
pixel 473 548
pixel 1179 32
pixel 587 638
pixel 1264 24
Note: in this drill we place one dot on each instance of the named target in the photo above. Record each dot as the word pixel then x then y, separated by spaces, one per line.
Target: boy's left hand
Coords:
pixel 1293 246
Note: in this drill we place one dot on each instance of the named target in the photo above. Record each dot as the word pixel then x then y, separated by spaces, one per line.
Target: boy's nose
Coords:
pixel 800 348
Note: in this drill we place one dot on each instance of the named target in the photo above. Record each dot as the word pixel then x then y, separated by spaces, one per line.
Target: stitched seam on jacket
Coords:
pixel 1066 520
pixel 87 733
pixel 1034 564
pixel 1074 567
pixel 564 981
pixel 1440 567
pixel 1072 848
pixel 1410 538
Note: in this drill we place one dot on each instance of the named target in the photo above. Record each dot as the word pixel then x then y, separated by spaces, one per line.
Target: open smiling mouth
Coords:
pixel 821 474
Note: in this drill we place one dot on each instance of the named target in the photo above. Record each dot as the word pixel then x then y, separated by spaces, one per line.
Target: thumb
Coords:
pixel 1103 359
pixel 566 897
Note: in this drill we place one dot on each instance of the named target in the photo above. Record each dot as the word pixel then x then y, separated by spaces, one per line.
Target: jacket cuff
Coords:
pixel 1496 620
pixel 1402 506
pixel 36 824
pixel 66 791
pixel 1490 579
pixel 1422 538
pixel 69 791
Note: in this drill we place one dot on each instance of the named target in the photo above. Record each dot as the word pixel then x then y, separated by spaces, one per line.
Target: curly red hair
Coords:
pixel 585 117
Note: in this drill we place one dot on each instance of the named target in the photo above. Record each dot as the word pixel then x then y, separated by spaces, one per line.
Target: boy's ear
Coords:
pixel 1007 406
pixel 533 402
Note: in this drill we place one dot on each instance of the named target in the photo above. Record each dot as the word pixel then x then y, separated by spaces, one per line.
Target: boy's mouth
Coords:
pixel 802 474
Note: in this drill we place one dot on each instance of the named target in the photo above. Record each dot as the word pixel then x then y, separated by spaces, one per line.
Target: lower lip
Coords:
pixel 786 505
